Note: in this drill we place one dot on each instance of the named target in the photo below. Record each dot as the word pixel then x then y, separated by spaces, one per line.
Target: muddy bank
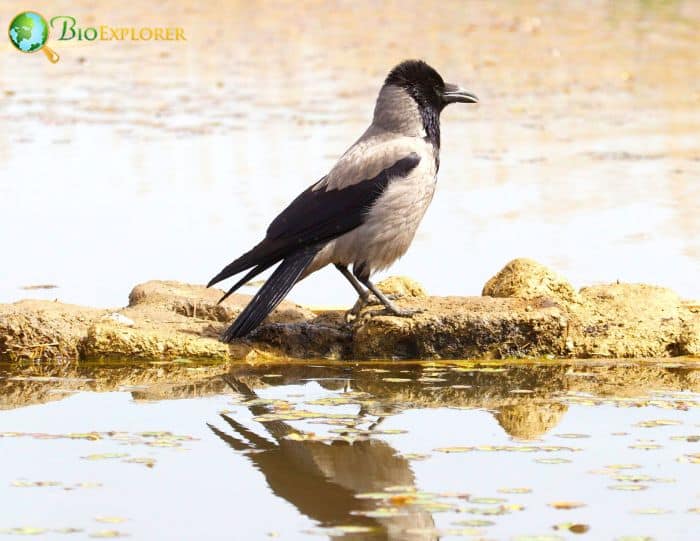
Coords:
pixel 526 311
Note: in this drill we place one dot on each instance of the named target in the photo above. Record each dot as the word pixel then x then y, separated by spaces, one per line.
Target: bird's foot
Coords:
pixel 361 302
pixel 372 300
pixel 351 314
pixel 390 296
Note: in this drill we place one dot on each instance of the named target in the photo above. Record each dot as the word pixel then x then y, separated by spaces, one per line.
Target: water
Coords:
pixel 457 450
pixel 127 162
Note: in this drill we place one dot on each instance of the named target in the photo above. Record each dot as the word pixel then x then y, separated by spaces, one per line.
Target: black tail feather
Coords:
pixel 265 253
pixel 271 294
pixel 242 263
pixel 253 272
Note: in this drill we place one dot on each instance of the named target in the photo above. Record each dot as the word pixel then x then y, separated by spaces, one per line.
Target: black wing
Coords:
pixel 313 218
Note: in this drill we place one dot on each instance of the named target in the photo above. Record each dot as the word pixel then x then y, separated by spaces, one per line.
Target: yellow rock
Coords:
pixel 527 279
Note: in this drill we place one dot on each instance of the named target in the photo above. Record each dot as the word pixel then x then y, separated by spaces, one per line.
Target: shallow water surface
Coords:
pixel 458 450
pixel 134 161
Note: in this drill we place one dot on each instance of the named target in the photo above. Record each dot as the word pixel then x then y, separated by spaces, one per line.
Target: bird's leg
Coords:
pixel 390 306
pixel 353 281
pixel 364 297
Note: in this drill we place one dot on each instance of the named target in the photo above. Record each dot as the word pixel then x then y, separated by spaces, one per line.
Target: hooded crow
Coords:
pixel 366 210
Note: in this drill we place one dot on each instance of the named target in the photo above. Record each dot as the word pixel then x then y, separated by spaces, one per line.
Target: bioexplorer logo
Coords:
pixel 29 33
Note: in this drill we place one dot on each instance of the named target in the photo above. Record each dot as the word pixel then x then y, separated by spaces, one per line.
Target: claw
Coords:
pixel 352 314
pixel 372 300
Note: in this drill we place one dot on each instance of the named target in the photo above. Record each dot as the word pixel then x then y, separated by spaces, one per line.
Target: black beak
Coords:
pixel 456 94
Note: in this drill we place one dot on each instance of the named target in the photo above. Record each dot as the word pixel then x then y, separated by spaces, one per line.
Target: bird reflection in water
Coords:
pixel 322 479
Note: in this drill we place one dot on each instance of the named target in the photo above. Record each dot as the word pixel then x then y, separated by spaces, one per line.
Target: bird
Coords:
pixel 365 212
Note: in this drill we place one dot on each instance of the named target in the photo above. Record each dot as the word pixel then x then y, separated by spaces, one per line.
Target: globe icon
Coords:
pixel 29 32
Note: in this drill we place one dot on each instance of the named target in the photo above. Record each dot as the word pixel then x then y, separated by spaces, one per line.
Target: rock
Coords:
pixel 297 340
pixel 149 340
pixel 119 318
pixel 401 286
pixel 34 330
pixel 202 302
pixel 543 316
pixel 628 320
pixel 689 343
pixel 527 279
pixel 462 327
